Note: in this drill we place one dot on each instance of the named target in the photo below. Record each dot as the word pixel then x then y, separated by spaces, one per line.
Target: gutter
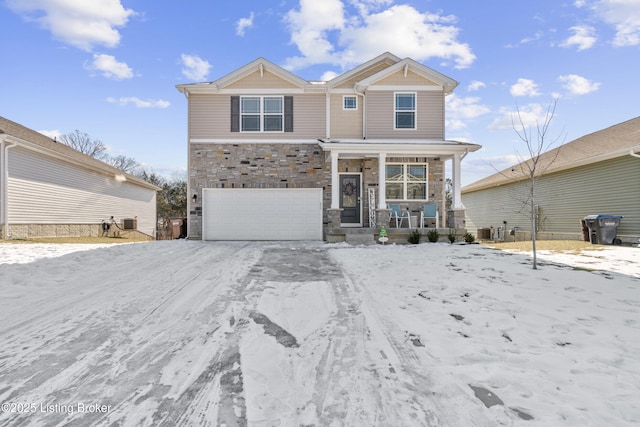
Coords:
pixel 631 153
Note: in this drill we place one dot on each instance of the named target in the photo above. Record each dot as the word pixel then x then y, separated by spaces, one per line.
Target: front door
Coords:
pixel 350 200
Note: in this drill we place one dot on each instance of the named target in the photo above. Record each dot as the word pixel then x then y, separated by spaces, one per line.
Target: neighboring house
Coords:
pixel 276 157
pixel 596 174
pixel 48 189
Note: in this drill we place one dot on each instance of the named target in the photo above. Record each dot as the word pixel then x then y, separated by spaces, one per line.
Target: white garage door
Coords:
pixel 262 214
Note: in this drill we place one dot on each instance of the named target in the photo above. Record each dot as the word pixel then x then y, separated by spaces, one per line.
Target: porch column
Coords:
pixel 455 169
pixel 382 178
pixel 335 181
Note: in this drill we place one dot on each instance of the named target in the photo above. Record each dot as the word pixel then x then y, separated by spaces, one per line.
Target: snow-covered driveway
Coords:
pixel 200 333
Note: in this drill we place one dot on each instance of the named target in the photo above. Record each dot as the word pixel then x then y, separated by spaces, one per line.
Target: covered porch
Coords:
pixel 368 175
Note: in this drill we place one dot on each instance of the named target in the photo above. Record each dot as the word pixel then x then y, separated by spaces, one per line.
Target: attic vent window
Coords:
pixel 349 103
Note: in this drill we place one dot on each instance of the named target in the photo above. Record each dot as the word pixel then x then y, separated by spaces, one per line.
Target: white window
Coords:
pixel 262 113
pixel 349 103
pixel 405 110
pixel 406 181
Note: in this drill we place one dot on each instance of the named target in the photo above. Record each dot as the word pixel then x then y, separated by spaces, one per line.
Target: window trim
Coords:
pixel 344 100
pixel 262 114
pixel 405 181
pixel 396 111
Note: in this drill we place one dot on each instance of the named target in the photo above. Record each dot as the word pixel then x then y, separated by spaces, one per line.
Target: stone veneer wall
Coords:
pixel 287 166
pixel 34 231
pixel 261 165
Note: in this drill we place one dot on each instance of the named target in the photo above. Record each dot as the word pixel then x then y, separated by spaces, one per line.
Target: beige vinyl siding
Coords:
pixel 210 118
pixel 44 190
pixel 398 79
pixel 429 120
pixel 256 80
pixel 345 123
pixel 565 197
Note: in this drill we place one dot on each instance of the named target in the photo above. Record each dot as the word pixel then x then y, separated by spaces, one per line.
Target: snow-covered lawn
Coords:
pixel 289 334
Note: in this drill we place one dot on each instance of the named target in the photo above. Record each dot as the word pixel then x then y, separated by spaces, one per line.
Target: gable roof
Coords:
pixel 260 65
pixel 387 62
pixel 615 141
pixel 386 58
pixel 447 83
pixel 35 140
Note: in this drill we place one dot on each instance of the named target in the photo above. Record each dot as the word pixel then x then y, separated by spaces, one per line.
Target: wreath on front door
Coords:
pixel 349 189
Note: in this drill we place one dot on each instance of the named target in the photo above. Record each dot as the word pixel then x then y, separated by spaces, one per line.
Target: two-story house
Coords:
pixel 275 157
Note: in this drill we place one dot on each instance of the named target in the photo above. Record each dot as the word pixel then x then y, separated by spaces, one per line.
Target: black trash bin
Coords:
pixel 603 229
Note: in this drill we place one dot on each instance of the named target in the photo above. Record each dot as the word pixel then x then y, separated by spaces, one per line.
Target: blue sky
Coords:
pixel 109 67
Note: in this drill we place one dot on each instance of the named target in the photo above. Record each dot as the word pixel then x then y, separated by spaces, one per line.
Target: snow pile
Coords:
pixel 28 252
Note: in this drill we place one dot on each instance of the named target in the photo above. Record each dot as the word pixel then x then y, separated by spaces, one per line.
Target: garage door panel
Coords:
pixel 262 214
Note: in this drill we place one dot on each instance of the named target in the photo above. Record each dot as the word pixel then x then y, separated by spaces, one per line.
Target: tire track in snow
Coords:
pixel 129 355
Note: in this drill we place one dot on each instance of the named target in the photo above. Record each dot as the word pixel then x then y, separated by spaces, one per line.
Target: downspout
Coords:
pixel 631 153
pixel 4 190
pixel 327 114
pixel 364 111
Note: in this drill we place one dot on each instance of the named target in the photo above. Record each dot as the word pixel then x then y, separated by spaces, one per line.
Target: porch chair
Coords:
pixel 398 214
pixel 429 211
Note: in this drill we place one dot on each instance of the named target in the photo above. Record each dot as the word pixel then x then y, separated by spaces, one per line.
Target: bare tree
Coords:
pixel 124 163
pixel 82 142
pixel 536 161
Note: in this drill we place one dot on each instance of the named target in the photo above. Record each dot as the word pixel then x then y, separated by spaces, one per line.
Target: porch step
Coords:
pixel 360 238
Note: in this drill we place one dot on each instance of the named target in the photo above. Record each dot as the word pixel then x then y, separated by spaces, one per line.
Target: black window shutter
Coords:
pixel 288 113
pixel 235 114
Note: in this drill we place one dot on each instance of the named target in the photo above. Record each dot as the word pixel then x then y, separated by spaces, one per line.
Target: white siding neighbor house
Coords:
pixel 48 189
pixel 597 174
pixel 275 157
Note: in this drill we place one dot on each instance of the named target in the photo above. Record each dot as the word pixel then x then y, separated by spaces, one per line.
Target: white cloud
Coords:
pixel 110 67
pixel 309 28
pixel 83 24
pixel 578 85
pixel 623 15
pixel 465 107
pixel 194 68
pixel 583 37
pixel 328 75
pixel 367 6
pixel 475 85
pixel 537 36
pixel 508 118
pixel 462 109
pixel 524 87
pixel 328 32
pixel 243 24
pixel 139 103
